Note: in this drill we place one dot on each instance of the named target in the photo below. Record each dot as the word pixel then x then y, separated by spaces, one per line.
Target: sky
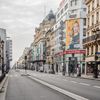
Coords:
pixel 20 17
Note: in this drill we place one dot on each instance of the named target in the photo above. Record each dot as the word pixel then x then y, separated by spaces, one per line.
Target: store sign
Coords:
pixel 72 52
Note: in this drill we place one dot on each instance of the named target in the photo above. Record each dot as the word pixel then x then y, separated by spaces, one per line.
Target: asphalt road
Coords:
pixel 89 89
pixel 22 88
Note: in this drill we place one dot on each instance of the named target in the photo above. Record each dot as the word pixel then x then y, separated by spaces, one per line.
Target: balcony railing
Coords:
pixel 91 38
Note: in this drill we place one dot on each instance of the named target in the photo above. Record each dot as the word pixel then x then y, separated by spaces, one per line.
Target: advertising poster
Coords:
pixel 73 34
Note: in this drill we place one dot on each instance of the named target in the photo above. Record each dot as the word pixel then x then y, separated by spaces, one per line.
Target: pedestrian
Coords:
pixel 64 69
pixel 53 72
pixel 77 71
pixel 56 67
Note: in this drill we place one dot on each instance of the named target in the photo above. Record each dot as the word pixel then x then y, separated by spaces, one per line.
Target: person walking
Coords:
pixel 57 68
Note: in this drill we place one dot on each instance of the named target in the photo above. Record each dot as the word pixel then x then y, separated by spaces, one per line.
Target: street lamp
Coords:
pixel 53 61
pixel 96 57
pixel 25 63
pixel 2 47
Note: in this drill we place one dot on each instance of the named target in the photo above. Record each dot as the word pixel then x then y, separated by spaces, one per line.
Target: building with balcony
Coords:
pixel 73 14
pixel 92 41
pixel 40 39
pixel 8 52
pixel 2 49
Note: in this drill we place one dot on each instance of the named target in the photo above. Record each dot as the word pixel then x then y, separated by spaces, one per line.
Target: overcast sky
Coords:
pixel 20 17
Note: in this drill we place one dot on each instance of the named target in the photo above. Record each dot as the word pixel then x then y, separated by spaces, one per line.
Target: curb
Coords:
pixel 79 77
pixel 3 82
pixel 84 78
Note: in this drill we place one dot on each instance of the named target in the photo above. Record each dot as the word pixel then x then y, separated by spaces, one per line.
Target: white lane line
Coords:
pixel 97 87
pixel 16 75
pixel 85 84
pixel 65 92
pixel 10 76
pixel 73 81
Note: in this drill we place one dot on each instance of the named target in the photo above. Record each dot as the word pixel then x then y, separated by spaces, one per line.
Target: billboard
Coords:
pixel 73 34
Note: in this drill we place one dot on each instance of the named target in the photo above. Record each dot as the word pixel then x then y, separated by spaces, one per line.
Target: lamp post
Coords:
pixel 2 47
pixel 53 61
pixel 25 63
pixel 7 62
pixel 96 57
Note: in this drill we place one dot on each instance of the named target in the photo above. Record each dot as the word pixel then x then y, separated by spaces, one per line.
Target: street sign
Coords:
pixel 98 53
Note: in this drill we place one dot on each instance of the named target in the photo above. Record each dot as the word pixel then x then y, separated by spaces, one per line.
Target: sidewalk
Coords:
pixel 3 82
pixel 89 77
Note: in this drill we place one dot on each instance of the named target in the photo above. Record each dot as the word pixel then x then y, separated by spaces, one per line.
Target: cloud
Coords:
pixel 20 17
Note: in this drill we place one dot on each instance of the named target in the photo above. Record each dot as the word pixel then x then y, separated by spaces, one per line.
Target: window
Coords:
pixel 71 3
pixel 84 9
pixel 84 21
pixel 61 11
pixel 88 22
pixel 89 9
pixel 73 11
pixel 76 2
pixel 58 15
pixel 97 3
pixel 84 31
pixel 92 19
pixel 97 19
pixel 66 6
pixel 88 34
pixel 87 51
pixel 91 49
pixel 93 5
pixel 96 48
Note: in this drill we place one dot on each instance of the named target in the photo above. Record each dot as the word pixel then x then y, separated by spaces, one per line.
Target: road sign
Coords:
pixel 98 53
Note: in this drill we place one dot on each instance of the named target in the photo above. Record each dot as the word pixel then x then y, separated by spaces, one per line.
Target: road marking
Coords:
pixel 97 87
pixel 73 81
pixel 10 76
pixel 85 84
pixel 16 75
pixel 65 92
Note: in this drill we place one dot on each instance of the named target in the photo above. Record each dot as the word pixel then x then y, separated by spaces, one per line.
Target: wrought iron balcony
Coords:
pixel 91 38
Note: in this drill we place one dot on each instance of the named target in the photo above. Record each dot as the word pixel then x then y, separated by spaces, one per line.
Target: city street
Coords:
pixel 32 85
pixel 50 50
pixel 22 88
pixel 89 89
